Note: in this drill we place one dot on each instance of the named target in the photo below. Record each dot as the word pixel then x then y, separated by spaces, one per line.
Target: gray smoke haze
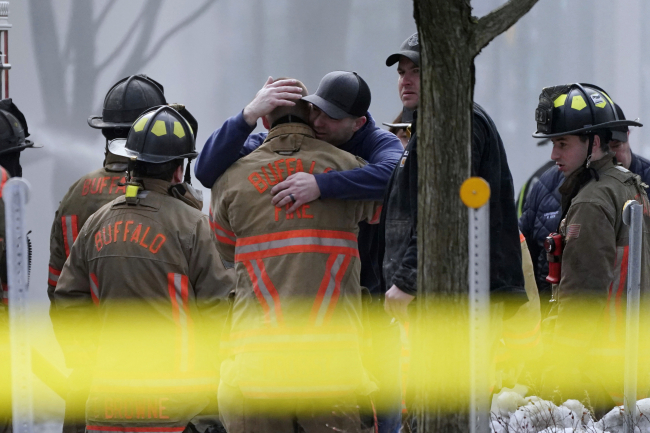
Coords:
pixel 213 56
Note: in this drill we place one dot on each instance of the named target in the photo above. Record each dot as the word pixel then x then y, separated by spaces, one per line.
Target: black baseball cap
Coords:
pixel 620 133
pixel 410 49
pixel 341 94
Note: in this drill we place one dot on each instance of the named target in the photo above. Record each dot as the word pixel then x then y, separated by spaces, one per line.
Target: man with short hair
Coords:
pixel 142 297
pixel 399 215
pixel 398 226
pixel 297 329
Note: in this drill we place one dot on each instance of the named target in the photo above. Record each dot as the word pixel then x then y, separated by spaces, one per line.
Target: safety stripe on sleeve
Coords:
pixel 616 289
pixel 52 276
pixel 94 288
pixel 5 176
pixel 223 235
pixel 178 286
pixel 376 216
pixel 69 228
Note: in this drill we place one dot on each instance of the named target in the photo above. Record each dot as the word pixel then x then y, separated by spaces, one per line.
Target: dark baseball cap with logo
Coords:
pixel 410 49
pixel 341 94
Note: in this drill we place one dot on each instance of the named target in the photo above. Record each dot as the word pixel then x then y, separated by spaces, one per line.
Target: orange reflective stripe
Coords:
pixel 265 291
pixel 94 288
pixel 52 276
pixel 621 289
pixel 258 294
pixel 296 241
pixel 334 234
pixel 223 235
pixel 329 290
pixel 178 287
pixel 376 216
pixel 5 176
pixel 522 238
pixel 70 232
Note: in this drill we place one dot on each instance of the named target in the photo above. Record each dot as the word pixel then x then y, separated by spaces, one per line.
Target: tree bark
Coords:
pixel 450 38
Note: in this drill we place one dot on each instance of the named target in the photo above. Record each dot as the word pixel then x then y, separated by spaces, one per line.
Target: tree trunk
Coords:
pixel 444 134
pixel 450 39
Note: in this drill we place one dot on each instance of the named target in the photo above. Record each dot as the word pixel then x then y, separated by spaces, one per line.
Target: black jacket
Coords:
pixel 398 225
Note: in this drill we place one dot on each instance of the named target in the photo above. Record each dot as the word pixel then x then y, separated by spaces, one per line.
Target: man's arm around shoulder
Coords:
pixel 224 147
pixel 381 150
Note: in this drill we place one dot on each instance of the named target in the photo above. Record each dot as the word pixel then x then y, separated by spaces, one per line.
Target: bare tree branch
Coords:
pixel 158 45
pixel 135 60
pixel 498 21
pixel 102 15
pixel 126 37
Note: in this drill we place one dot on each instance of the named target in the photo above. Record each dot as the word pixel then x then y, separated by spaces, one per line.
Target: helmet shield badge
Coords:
pixel 576 109
pixel 159 135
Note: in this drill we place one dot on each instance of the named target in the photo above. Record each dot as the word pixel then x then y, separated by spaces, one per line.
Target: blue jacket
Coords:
pixel 380 148
pixel 542 212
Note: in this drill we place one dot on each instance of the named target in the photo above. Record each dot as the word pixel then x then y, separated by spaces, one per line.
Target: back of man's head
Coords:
pixel 164 171
pixel 299 110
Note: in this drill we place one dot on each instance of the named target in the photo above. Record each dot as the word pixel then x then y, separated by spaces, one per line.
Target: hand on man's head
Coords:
pixel 281 93
pixel 299 188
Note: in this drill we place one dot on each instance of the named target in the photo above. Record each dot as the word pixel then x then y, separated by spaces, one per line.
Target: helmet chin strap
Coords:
pixel 188 173
pixel 590 148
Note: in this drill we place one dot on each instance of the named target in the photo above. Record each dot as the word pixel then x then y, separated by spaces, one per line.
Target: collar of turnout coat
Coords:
pixel 577 176
pixel 181 191
pixel 286 129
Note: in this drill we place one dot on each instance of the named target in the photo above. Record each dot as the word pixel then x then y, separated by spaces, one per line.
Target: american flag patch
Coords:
pixel 573 231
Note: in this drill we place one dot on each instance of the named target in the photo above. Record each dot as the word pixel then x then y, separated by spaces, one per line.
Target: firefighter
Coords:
pixel 124 102
pixel 142 281
pixel 589 313
pixel 541 214
pixel 295 339
pixel 13 133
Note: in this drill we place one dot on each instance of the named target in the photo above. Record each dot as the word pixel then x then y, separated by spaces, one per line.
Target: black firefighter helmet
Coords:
pixel 127 100
pixel 158 136
pixel 576 109
pixel 13 129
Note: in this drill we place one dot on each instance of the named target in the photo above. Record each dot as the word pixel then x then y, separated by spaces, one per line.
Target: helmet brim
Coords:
pixel 396 125
pixel 97 122
pixel 118 147
pixel 606 125
pixel 28 144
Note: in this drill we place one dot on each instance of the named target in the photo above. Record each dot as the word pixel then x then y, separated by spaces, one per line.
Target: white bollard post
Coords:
pixel 475 193
pixel 15 195
pixel 632 216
